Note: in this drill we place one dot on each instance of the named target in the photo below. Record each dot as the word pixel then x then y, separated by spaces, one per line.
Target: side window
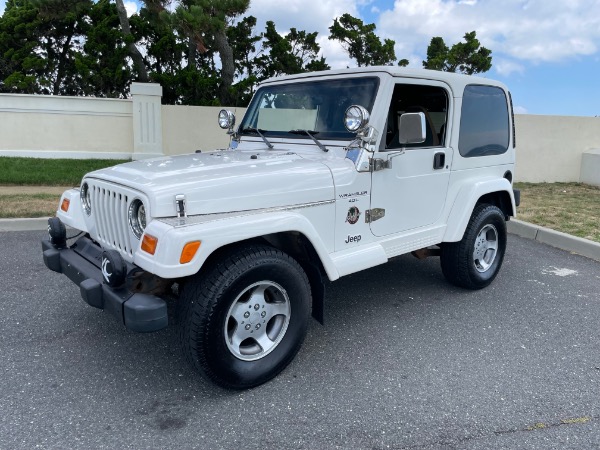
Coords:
pixel 430 100
pixel 484 122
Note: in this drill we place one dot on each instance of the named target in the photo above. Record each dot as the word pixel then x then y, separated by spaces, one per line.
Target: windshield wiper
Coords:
pixel 310 134
pixel 259 132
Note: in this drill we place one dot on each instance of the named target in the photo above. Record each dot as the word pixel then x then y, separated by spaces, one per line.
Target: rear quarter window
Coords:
pixel 484 122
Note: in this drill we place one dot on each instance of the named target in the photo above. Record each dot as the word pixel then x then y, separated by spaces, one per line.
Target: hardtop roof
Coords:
pixel 456 80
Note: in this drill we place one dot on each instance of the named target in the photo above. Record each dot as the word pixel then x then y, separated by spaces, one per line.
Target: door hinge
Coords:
pixel 376 164
pixel 371 215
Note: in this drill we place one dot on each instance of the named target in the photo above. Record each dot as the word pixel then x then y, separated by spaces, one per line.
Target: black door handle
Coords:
pixel 439 160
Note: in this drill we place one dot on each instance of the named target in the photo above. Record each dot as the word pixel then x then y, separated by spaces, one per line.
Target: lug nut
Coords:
pixel 257 326
pixel 263 314
pixel 247 326
pixel 256 307
pixel 246 314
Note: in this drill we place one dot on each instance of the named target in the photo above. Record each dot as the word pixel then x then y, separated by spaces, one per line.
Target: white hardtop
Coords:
pixel 456 80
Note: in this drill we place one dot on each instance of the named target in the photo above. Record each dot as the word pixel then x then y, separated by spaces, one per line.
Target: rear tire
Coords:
pixel 243 321
pixel 474 262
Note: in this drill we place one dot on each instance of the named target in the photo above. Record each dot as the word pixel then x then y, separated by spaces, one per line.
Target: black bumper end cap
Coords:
pixel 145 313
pixel 91 292
pixel 517 194
pixel 52 259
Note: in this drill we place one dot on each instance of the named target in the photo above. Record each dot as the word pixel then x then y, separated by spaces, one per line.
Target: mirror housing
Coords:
pixel 411 128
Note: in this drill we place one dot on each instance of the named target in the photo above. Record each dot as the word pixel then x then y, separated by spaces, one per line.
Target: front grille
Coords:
pixel 109 210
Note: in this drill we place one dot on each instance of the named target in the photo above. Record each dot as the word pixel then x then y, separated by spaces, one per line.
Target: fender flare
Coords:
pixel 218 233
pixel 465 201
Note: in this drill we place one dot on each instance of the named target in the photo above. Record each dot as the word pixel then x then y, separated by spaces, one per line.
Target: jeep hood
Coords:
pixel 224 181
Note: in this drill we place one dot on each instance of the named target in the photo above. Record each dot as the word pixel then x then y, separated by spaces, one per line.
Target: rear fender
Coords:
pixel 465 202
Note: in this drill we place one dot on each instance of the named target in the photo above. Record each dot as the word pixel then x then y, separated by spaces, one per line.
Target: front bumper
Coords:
pixel 81 264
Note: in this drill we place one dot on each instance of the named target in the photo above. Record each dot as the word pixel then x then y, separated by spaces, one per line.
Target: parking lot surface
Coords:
pixel 404 360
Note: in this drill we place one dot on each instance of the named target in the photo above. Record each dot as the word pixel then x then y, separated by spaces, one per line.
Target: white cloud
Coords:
pixel 520 110
pixel 131 8
pixel 506 67
pixel 536 31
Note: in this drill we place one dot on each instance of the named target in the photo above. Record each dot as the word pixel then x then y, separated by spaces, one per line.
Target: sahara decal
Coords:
pixel 353 215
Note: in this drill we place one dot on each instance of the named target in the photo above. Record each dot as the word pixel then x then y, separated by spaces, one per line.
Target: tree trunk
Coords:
pixel 192 52
pixel 136 56
pixel 227 67
pixel 62 61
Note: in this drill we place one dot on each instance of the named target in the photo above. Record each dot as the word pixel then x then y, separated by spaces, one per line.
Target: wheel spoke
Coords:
pixel 236 340
pixel 258 295
pixel 276 309
pixel 263 340
pixel 238 310
pixel 492 245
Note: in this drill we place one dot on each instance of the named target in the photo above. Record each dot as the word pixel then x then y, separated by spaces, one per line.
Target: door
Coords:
pixel 412 188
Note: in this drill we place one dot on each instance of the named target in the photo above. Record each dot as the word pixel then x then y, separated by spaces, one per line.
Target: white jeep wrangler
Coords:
pixel 328 174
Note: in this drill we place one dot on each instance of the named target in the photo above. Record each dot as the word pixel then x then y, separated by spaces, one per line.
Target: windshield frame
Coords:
pixel 321 87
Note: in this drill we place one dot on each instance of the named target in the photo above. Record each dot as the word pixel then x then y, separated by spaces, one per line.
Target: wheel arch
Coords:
pixel 497 192
pixel 295 244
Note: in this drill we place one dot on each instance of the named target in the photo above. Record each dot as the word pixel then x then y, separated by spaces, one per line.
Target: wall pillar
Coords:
pixel 147 120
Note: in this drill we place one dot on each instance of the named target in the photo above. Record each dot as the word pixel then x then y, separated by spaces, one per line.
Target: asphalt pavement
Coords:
pixel 405 360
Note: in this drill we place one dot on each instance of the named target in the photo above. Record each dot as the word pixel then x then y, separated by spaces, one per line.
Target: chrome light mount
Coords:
pixel 356 120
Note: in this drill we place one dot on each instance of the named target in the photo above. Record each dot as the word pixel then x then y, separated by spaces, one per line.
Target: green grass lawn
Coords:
pixel 48 172
pixel 572 208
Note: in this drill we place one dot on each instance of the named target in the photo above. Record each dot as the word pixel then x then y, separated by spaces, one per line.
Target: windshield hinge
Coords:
pixel 180 205
pixel 371 215
pixel 376 164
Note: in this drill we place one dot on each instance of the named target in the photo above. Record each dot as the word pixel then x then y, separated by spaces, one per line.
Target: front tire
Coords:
pixel 474 262
pixel 243 321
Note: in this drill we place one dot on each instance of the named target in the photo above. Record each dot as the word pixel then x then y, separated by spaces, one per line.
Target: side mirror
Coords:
pixel 411 128
pixel 226 120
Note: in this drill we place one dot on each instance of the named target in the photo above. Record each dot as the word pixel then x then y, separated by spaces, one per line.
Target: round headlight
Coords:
pixel 86 198
pixel 137 217
pixel 226 119
pixel 356 118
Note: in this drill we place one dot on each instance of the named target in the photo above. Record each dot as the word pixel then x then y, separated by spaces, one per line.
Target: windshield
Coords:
pixel 316 106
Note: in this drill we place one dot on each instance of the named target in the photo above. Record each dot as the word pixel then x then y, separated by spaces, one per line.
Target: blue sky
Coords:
pixel 546 51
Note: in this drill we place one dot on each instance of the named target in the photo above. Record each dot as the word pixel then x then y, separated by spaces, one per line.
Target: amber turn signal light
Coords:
pixel 189 251
pixel 65 204
pixel 149 244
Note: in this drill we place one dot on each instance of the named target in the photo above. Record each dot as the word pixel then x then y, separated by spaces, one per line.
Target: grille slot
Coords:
pixel 109 210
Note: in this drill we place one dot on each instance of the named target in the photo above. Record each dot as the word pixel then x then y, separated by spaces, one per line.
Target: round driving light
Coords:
pixel 114 268
pixel 226 119
pixel 57 232
pixel 86 198
pixel 356 118
pixel 137 217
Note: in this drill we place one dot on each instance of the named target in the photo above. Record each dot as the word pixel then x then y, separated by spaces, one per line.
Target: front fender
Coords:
pixel 217 233
pixel 466 200
pixel 73 217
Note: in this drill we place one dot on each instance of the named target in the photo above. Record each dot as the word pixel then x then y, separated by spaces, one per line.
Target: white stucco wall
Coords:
pixel 65 127
pixel 549 148
pixel 186 129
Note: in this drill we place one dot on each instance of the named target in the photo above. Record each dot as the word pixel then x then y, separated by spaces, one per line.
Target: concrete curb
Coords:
pixel 547 236
pixel 36 224
pixel 564 241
